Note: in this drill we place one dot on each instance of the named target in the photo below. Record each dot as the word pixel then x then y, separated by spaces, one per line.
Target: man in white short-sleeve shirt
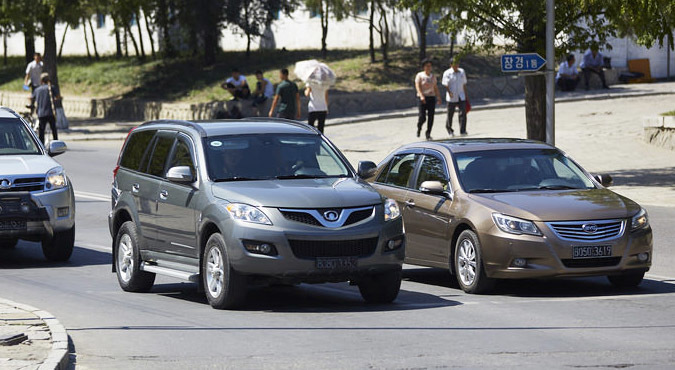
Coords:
pixel 33 72
pixel 454 80
pixel 237 85
pixel 567 77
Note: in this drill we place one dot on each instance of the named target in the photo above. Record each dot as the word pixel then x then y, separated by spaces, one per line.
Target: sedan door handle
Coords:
pixel 410 203
pixel 163 194
pixel 135 188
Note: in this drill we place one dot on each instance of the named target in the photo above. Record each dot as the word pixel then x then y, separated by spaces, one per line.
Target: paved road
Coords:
pixel 433 324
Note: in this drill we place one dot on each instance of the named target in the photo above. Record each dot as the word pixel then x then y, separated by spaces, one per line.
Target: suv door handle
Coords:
pixel 163 194
pixel 135 188
pixel 410 203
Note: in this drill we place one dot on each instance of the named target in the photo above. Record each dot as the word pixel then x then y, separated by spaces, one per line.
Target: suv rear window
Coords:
pixel 135 148
pixel 160 155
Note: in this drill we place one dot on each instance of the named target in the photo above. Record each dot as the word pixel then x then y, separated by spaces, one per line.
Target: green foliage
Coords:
pixel 649 21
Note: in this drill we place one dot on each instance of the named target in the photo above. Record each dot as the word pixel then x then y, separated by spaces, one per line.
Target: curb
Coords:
pixel 58 357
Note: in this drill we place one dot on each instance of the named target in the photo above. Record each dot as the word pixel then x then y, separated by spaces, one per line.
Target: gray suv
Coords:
pixel 228 204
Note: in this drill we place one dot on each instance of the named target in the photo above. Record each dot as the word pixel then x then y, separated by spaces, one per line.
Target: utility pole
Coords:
pixel 550 70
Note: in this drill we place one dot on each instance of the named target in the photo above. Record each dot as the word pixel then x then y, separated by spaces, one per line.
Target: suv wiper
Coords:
pixel 239 178
pixel 303 176
pixel 472 191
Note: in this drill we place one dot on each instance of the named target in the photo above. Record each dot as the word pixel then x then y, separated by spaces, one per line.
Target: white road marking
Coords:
pixel 92 196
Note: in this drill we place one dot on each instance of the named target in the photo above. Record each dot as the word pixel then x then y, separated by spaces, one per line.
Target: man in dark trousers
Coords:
pixel 287 98
pixel 592 63
pixel 428 95
pixel 44 96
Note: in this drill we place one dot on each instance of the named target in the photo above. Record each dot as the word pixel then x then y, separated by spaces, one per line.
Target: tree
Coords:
pixel 421 14
pixel 338 9
pixel 578 24
pixel 649 21
pixel 253 16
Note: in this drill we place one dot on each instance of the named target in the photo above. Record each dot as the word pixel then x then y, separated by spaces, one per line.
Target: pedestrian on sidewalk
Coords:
pixel 592 63
pixel 428 95
pixel 33 72
pixel 287 98
pixel 454 80
pixel 318 105
pixel 237 85
pixel 568 76
pixel 45 96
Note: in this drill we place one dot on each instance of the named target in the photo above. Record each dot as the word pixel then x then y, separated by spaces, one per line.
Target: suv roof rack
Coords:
pixel 196 124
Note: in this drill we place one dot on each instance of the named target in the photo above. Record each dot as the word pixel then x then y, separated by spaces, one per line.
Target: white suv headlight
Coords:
pixel 640 220
pixel 244 212
pixel 55 179
pixel 513 225
pixel 391 210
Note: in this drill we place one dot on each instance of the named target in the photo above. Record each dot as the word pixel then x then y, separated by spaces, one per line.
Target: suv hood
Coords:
pixel 17 165
pixel 561 205
pixel 305 193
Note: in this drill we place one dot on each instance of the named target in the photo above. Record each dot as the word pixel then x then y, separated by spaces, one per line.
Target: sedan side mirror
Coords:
pixel 432 188
pixel 180 175
pixel 604 180
pixel 366 169
pixel 56 147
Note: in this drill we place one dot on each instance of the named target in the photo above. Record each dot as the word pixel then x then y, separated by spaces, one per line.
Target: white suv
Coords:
pixel 36 198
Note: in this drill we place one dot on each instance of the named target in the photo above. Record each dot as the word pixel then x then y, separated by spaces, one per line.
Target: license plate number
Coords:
pixel 12 225
pixel 592 251
pixel 341 263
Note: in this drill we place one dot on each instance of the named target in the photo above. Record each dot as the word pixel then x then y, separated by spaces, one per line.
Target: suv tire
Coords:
pixel 8 243
pixel 225 288
pixel 468 263
pixel 382 287
pixel 128 261
pixel 60 247
pixel 627 280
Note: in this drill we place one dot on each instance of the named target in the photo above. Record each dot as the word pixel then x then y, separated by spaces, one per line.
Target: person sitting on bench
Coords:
pixel 593 63
pixel 567 77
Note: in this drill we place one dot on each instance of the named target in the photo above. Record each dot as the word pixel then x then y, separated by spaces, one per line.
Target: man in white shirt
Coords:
pixel 454 80
pixel 567 77
pixel 592 63
pixel 237 85
pixel 33 72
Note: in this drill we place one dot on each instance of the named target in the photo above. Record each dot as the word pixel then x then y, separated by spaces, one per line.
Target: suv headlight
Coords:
pixel 55 179
pixel 391 210
pixel 639 221
pixel 513 225
pixel 244 212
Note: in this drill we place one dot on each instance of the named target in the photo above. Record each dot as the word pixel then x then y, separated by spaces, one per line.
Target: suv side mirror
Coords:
pixel 604 180
pixel 432 188
pixel 180 175
pixel 56 147
pixel 366 169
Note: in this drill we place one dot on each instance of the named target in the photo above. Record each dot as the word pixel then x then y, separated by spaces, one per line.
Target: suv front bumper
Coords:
pixel 42 213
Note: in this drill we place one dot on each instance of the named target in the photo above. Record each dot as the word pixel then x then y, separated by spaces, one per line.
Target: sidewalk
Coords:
pixel 31 338
pixel 94 129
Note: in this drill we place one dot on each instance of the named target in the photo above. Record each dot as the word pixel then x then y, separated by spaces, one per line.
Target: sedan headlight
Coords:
pixel 513 225
pixel 391 210
pixel 639 221
pixel 244 212
pixel 56 179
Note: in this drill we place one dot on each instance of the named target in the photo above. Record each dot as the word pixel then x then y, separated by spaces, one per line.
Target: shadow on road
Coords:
pixel 660 177
pixel 29 255
pixel 310 298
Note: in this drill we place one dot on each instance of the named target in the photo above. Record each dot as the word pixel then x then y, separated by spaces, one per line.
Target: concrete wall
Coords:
pixel 660 131
pixel 624 49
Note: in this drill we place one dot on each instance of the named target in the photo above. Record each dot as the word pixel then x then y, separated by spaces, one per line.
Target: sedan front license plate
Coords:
pixel 341 263
pixel 592 251
pixel 12 225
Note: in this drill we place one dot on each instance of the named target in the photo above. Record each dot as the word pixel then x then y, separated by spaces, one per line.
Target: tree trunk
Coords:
pixel 452 44
pixel 209 31
pixel 126 43
pixel 371 25
pixel 248 45
pixel 535 107
pixel 152 40
pixel 423 36
pixel 86 39
pixel 93 39
pixel 63 40
pixel 133 40
pixel 49 29
pixel 29 41
pixel 140 34
pixel 118 41
pixel 324 29
pixel 4 47
pixel 165 44
pixel 384 35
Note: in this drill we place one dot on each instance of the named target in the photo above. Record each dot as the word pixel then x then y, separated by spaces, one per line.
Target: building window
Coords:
pixel 132 22
pixel 100 20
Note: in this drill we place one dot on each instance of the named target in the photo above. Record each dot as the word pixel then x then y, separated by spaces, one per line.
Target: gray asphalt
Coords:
pixel 433 324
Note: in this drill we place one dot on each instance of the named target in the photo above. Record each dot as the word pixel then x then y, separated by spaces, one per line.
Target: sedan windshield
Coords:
pixel 15 139
pixel 494 171
pixel 271 156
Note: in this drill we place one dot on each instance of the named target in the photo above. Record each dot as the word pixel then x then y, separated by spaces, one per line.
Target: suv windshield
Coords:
pixel 494 171
pixel 15 139
pixel 271 156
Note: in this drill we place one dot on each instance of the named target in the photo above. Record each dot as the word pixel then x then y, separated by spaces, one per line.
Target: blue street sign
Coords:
pixel 530 62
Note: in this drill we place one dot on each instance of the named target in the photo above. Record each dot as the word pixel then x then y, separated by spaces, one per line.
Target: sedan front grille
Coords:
pixel 592 262
pixel 590 231
pixel 309 249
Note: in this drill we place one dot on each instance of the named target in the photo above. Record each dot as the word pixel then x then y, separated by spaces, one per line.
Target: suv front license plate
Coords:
pixel 340 263
pixel 592 251
pixel 12 225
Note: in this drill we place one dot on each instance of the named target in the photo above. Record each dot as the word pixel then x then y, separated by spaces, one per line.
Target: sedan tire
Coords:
pixel 468 263
pixel 225 288
pixel 381 288
pixel 60 247
pixel 128 261
pixel 627 280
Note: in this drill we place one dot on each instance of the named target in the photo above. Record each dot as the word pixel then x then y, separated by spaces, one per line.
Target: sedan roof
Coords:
pixel 481 144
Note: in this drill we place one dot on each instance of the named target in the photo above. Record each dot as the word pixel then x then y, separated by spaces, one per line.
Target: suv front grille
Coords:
pixel 592 262
pixel 309 249
pixel 314 216
pixel 303 217
pixel 26 184
pixel 584 230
